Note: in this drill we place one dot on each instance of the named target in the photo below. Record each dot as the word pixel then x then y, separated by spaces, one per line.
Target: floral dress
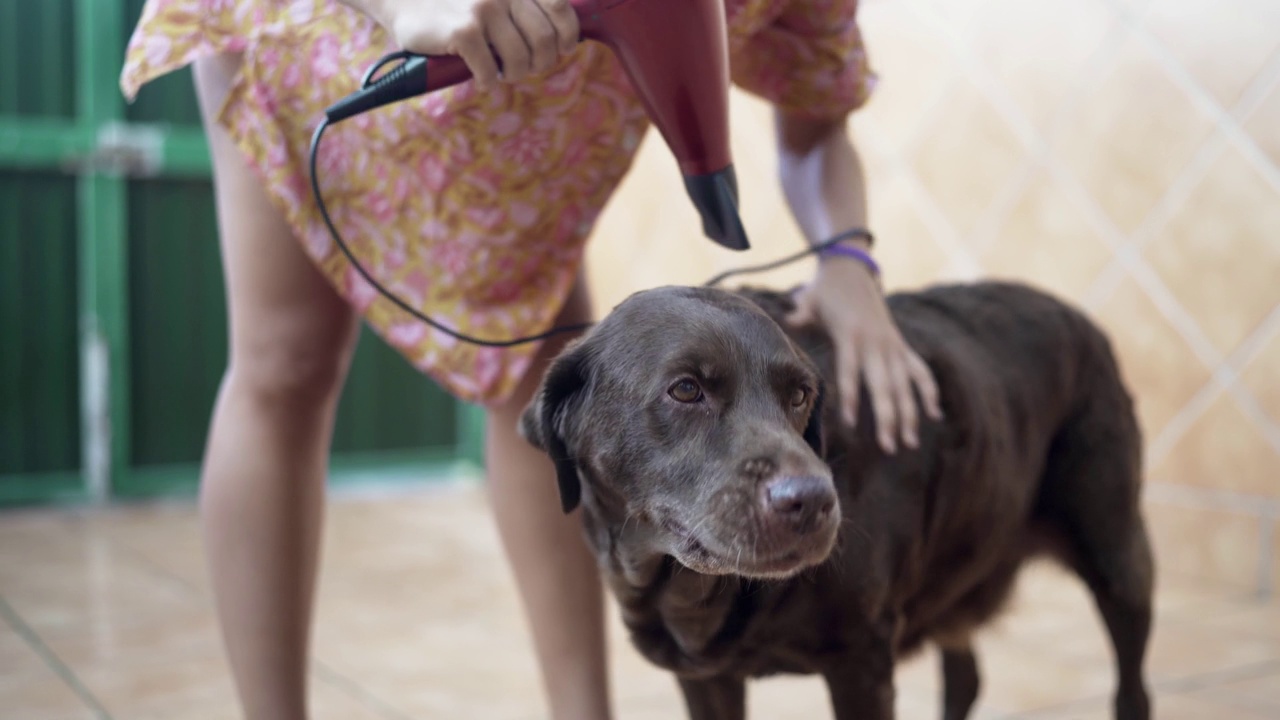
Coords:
pixel 473 208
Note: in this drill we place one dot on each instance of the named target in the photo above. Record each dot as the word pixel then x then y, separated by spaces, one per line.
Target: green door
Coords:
pixel 114 333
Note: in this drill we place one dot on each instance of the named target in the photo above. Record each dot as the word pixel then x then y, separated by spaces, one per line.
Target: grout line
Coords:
pixel 943 232
pixel 1177 316
pixel 1221 117
pixel 160 571
pixel 1201 681
pixel 1000 209
pixel 357 692
pixel 1256 93
pixel 1179 190
pixel 1182 421
pixel 51 660
pixel 988 87
pixel 1224 380
pixel 1095 65
pixel 1198 498
pixel 1249 405
pixel 1266 558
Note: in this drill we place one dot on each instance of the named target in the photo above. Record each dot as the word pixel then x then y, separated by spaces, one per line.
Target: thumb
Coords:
pixel 805 311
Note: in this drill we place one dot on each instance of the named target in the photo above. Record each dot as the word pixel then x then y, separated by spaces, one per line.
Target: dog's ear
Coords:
pixel 813 430
pixel 543 422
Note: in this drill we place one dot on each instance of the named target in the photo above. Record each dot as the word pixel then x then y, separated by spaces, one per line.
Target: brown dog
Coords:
pixel 745 531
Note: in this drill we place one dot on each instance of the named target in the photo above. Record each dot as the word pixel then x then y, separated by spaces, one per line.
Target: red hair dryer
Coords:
pixel 676 56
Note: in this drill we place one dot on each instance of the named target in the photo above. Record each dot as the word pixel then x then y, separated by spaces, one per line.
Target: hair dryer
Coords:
pixel 674 52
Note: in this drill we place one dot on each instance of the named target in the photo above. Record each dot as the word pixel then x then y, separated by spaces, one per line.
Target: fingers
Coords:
pixel 564 21
pixel 880 385
pixel 928 387
pixel 540 35
pixel 470 45
pixel 513 38
pixel 804 312
pixel 508 44
pixel 847 378
pixel 900 381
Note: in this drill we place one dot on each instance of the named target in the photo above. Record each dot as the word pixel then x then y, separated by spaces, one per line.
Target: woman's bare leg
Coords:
pixel 262 490
pixel 557 576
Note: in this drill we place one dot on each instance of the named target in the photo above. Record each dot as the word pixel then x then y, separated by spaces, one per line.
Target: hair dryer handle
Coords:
pixel 442 71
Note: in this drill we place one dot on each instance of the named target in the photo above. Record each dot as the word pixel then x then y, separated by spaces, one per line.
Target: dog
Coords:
pixel 745 531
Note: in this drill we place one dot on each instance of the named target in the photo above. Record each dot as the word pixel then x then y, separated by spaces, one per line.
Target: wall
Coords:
pixel 1123 153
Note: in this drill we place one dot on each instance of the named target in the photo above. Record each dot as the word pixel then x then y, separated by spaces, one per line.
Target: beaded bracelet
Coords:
pixel 832 246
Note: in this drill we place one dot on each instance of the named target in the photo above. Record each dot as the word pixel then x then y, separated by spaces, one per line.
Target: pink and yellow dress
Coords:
pixel 474 208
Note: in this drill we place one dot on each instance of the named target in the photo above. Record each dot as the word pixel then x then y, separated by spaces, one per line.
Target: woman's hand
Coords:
pixel 523 36
pixel 847 299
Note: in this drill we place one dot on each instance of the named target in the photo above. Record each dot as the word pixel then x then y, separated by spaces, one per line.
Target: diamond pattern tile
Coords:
pixel 1225 450
pixel 914 67
pixel 1047 241
pixel 1157 363
pixel 967 156
pixel 1262 378
pixel 1040 51
pixel 1196 31
pixel 1131 136
pixel 1263 124
pixel 939 151
pixel 1219 254
pixel 1217 545
pixel 907 251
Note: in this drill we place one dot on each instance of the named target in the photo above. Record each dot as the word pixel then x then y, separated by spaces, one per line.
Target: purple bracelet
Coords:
pixel 854 253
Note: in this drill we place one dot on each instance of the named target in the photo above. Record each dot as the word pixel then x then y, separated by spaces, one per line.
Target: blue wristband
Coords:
pixel 835 246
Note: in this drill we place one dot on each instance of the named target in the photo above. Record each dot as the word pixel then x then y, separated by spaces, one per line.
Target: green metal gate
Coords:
pixel 112 321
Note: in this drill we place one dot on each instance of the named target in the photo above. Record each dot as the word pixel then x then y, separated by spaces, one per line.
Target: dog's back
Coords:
pixel 1038 453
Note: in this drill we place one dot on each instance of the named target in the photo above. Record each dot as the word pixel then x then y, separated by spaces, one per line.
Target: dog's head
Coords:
pixel 695 424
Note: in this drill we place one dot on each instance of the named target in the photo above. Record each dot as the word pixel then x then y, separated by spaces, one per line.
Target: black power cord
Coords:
pixel 397 85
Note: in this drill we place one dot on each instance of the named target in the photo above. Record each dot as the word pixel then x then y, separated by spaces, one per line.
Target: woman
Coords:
pixel 474 204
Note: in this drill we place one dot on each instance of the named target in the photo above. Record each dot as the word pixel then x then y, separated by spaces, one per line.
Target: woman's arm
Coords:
pixel 823 181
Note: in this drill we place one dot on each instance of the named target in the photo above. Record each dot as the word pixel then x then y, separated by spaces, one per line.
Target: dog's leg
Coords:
pixel 717 698
pixel 1091 495
pixel 960 682
pixel 861 686
pixel 1124 602
pixel 860 692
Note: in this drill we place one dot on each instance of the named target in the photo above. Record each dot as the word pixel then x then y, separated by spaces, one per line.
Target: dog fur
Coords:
pixel 750 532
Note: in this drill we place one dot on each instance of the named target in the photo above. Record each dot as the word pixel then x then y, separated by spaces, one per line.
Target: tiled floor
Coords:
pixel 106 614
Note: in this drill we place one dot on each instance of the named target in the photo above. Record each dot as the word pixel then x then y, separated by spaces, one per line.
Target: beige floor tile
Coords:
pixel 142 691
pixel 1255 620
pixel 1178 651
pixel 16 656
pixel 327 703
pixel 137 645
pixel 1165 707
pixel 98 585
pixel 418 618
pixel 1185 707
pixel 1255 691
pixel 39 695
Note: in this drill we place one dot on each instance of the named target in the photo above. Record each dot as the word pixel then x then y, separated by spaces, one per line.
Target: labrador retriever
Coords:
pixel 746 531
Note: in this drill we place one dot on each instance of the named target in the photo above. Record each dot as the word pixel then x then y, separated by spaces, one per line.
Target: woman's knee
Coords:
pixel 295 365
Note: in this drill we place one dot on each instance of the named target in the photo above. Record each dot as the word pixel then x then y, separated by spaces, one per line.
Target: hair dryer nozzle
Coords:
pixel 716 197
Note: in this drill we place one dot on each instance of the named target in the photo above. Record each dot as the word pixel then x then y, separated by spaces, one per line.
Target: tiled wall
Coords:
pixel 1123 153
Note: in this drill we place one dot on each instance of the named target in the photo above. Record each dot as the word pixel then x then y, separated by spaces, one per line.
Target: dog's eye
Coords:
pixel 799 396
pixel 685 391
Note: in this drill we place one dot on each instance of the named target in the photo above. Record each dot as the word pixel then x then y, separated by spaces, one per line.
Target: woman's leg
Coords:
pixel 262 490
pixel 556 574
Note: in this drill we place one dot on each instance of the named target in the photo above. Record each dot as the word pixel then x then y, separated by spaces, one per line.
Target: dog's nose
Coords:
pixel 799 500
